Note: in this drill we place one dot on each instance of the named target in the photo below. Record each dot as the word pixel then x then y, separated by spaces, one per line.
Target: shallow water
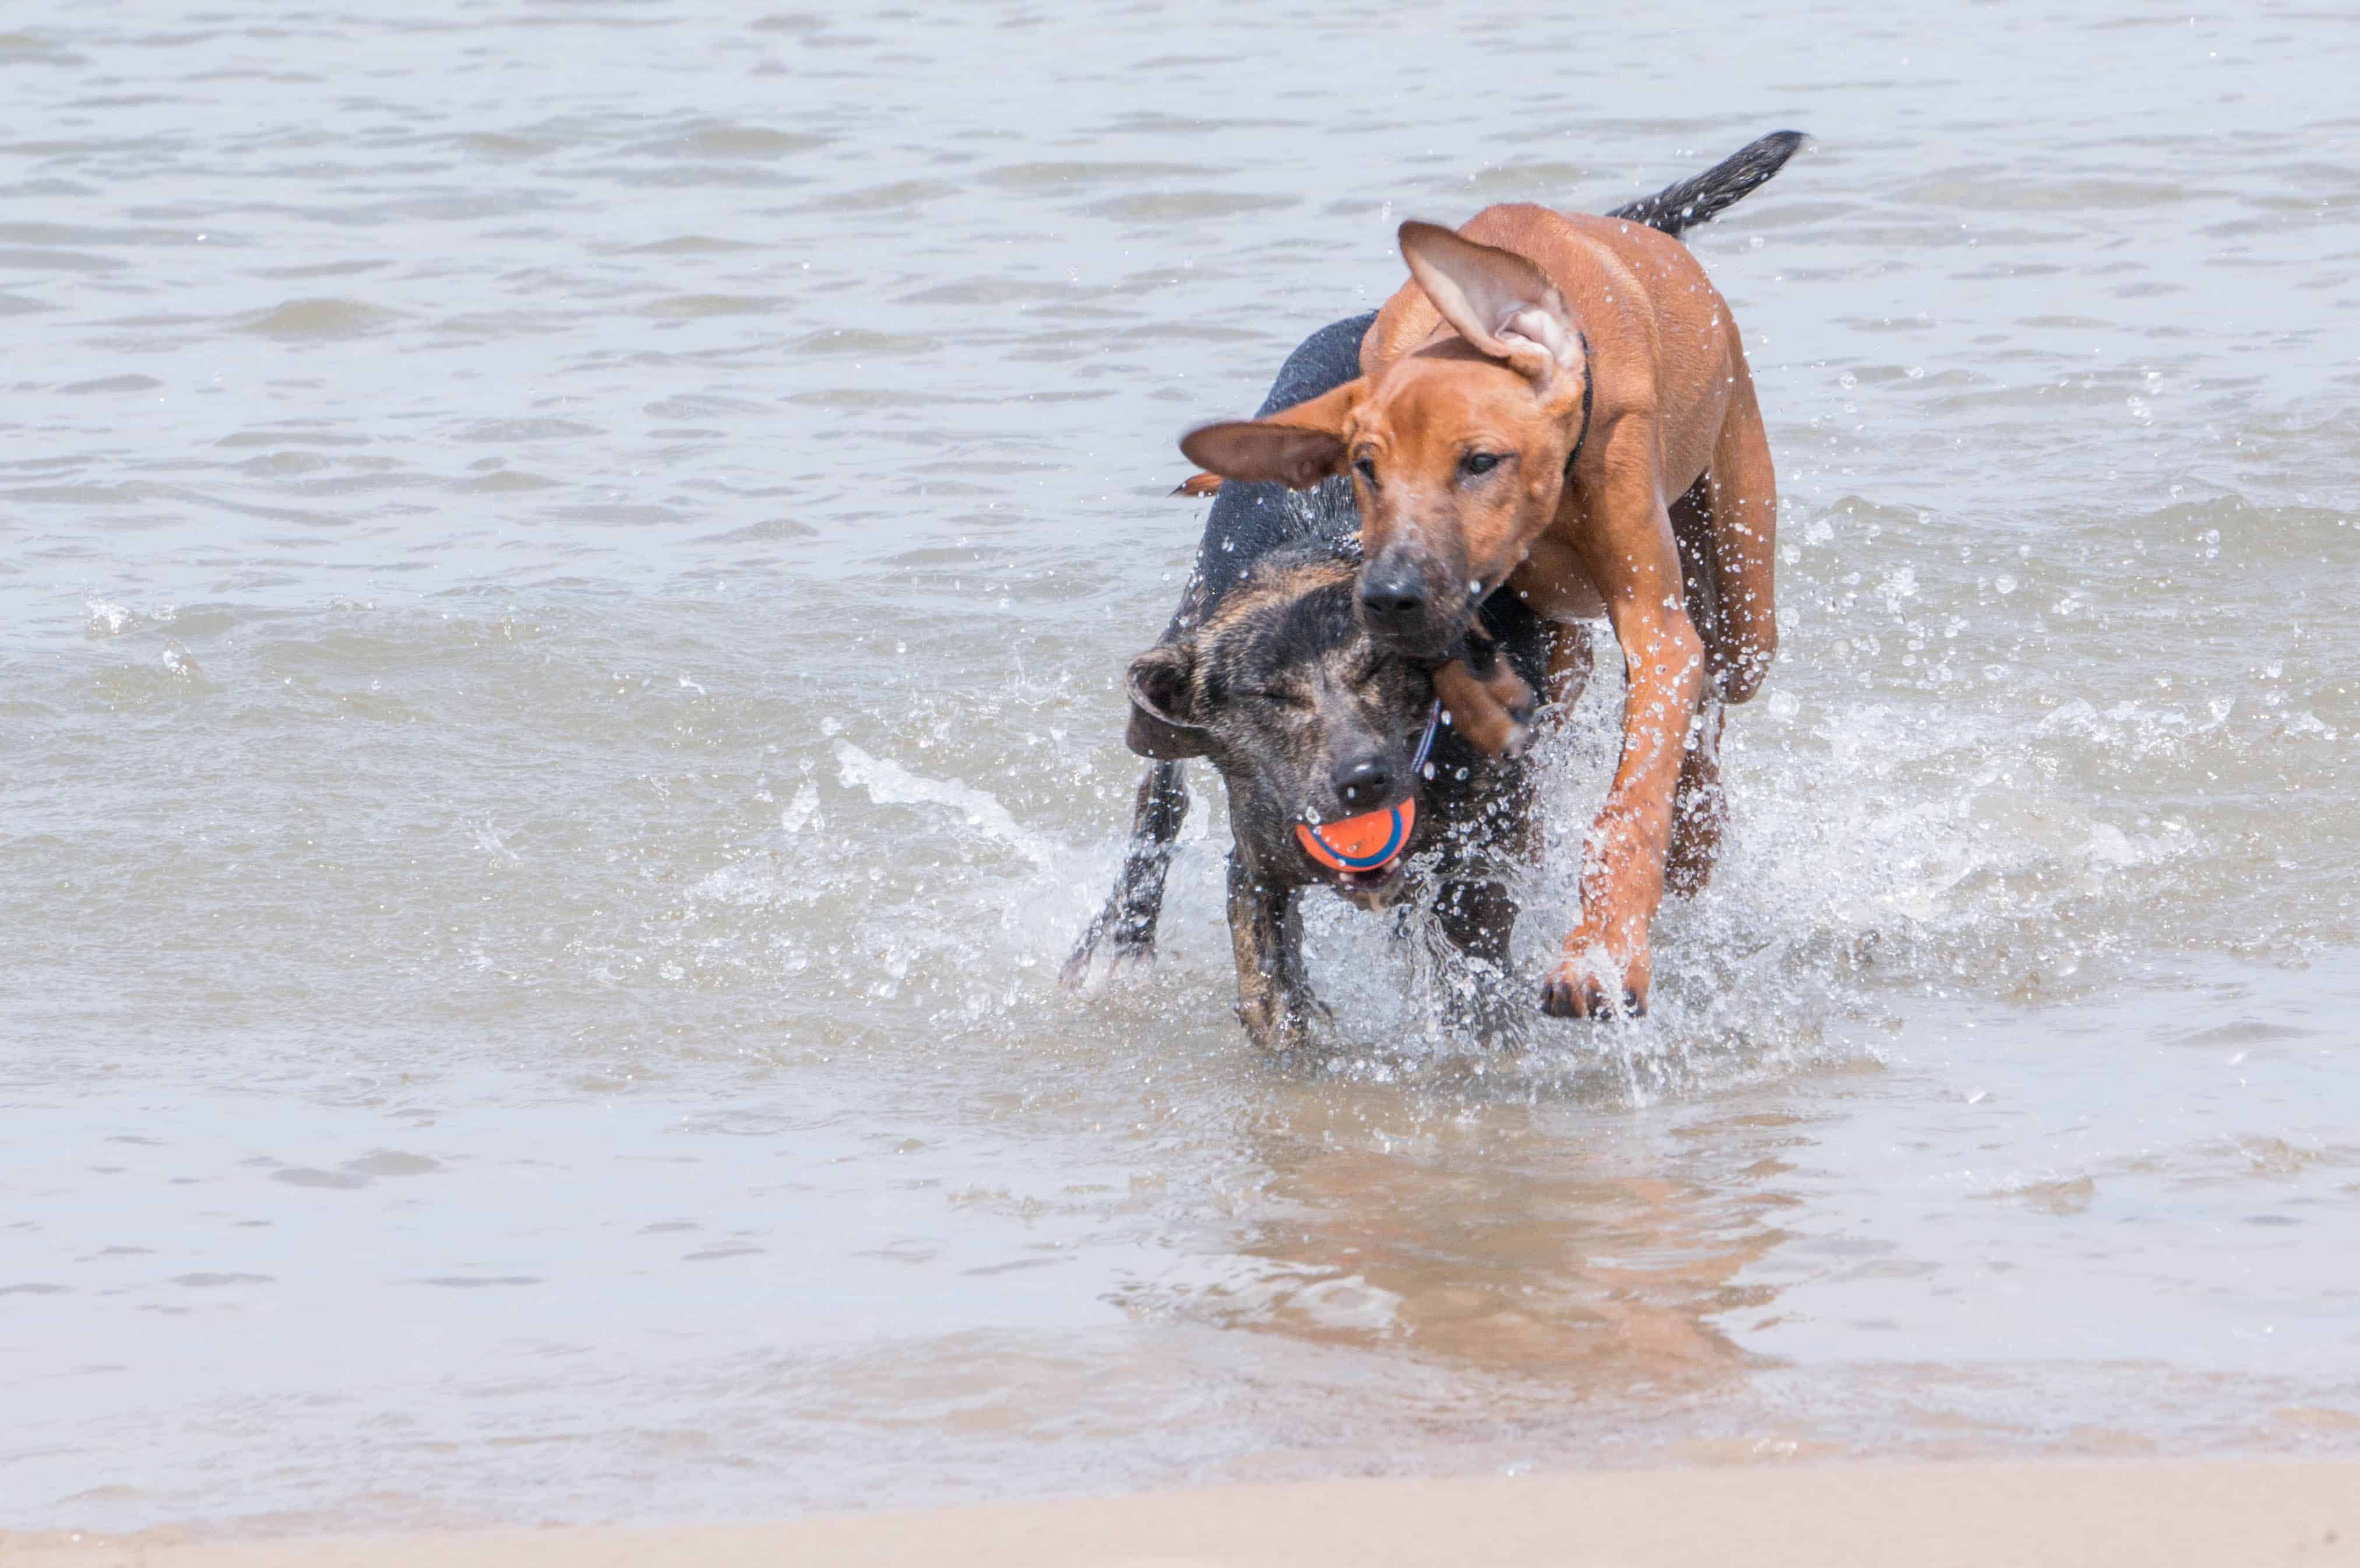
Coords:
pixel 563 575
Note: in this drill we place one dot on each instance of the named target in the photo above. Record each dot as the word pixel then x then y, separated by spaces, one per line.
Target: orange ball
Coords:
pixel 1361 843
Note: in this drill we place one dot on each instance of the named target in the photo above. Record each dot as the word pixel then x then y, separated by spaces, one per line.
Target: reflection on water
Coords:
pixel 1491 1238
pixel 562 585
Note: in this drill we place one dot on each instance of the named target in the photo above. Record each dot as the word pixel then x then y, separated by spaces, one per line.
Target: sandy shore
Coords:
pixel 2226 1514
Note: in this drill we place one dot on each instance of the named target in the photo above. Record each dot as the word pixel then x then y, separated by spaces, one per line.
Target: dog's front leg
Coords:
pixel 1274 999
pixel 1626 547
pixel 1488 701
pixel 1124 932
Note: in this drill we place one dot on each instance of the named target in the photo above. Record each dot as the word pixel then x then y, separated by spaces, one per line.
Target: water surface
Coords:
pixel 564 570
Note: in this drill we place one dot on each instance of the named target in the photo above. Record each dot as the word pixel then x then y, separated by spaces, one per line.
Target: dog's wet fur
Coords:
pixel 1269 671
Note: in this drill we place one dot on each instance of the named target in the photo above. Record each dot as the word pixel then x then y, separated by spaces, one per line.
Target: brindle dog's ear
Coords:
pixel 1296 447
pixel 1161 703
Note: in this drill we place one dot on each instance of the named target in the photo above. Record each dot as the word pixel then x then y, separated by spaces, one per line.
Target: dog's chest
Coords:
pixel 1554 584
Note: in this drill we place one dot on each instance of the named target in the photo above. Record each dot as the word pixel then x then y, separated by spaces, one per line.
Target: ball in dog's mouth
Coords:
pixel 1364 853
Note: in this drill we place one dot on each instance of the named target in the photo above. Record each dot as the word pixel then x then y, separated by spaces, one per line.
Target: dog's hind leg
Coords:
pixel 1727 530
pixel 1740 502
pixel 1476 912
pixel 1699 804
pixel 1477 917
pixel 1124 932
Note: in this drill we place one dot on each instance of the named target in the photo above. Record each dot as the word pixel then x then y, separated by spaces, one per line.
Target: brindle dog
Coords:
pixel 1268 671
pixel 1309 720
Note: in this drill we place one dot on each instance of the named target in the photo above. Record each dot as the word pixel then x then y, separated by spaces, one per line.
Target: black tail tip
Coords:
pixel 1679 208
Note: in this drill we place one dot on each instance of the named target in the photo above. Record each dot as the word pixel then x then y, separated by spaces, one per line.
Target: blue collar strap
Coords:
pixel 1426 741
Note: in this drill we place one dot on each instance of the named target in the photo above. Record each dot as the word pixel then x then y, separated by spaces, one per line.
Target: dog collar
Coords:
pixel 1374 838
pixel 1589 384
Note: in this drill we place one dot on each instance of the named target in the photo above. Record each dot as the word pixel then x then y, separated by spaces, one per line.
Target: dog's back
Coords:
pixel 1249 522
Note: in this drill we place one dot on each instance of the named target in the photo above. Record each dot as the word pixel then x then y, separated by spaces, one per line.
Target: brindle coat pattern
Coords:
pixel 1281 687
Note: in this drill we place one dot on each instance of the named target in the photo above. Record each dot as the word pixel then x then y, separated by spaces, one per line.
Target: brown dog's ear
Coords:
pixel 1497 300
pixel 1296 447
pixel 1161 703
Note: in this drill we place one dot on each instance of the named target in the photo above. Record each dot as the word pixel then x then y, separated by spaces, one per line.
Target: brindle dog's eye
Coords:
pixel 1368 468
pixel 1285 699
pixel 1479 463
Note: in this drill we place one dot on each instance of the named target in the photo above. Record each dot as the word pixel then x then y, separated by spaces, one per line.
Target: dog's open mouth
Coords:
pixel 1364 853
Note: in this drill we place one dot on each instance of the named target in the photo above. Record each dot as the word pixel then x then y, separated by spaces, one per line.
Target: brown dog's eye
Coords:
pixel 1479 463
pixel 1368 468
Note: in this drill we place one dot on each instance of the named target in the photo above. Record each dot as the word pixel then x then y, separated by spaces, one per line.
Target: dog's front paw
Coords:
pixel 1508 689
pixel 1589 982
pixel 1495 718
pixel 1096 964
pixel 1281 1025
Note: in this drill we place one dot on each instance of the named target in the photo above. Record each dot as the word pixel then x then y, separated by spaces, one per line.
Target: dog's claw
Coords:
pixel 1585 999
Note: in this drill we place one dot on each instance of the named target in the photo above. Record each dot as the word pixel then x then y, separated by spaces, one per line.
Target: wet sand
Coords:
pixel 2154 1515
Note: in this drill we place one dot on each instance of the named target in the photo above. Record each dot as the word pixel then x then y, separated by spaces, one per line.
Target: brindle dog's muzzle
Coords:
pixel 1373 840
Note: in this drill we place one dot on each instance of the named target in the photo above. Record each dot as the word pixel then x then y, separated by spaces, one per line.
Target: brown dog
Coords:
pixel 1560 402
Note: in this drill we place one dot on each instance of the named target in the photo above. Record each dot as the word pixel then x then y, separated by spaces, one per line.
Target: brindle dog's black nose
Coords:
pixel 1366 784
pixel 1394 599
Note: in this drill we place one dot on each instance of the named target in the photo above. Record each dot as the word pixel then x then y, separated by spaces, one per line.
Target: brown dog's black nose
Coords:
pixel 1394 600
pixel 1364 784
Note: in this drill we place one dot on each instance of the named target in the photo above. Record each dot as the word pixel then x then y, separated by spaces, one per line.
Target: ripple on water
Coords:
pixel 686 305
pixel 733 141
pixel 319 320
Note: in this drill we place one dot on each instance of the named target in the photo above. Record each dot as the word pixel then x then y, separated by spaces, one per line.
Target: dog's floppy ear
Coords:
pixel 1497 300
pixel 1161 703
pixel 1296 447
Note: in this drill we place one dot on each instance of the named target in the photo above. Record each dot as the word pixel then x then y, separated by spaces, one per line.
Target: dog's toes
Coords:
pixel 1563 997
pixel 1575 995
pixel 1519 741
pixel 1093 967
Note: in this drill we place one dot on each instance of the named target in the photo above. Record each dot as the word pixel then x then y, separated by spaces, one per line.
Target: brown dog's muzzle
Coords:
pixel 1412 604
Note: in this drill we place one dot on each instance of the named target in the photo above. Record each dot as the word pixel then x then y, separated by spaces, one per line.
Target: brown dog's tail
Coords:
pixel 1718 189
